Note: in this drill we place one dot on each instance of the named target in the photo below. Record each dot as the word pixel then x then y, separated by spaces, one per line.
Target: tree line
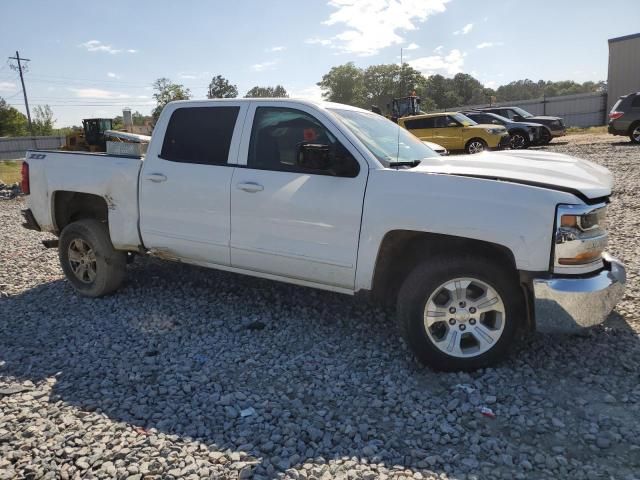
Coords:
pixel 375 85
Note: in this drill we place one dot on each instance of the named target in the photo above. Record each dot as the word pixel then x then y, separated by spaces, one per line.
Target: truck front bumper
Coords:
pixel 567 305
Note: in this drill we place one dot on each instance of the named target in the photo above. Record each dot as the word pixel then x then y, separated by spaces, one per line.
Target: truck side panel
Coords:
pixel 113 178
pixel 520 218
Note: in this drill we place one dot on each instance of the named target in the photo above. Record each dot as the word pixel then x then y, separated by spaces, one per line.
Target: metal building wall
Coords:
pixel 624 67
pixel 579 110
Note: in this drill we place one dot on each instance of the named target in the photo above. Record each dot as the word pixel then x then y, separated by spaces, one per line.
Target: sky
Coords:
pixel 93 59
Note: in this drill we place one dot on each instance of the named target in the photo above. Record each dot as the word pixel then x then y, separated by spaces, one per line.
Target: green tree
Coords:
pixel 467 88
pixel 12 122
pixel 344 84
pixel 42 120
pixel 166 92
pixel 221 88
pixel 382 83
pixel 267 92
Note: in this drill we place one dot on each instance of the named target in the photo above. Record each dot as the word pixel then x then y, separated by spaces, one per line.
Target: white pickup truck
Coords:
pixel 470 249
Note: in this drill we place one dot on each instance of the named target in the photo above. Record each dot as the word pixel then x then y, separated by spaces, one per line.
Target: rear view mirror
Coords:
pixel 314 156
pixel 517 118
pixel 495 122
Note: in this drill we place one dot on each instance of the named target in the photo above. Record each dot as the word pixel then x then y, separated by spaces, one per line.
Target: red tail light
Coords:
pixel 615 115
pixel 24 185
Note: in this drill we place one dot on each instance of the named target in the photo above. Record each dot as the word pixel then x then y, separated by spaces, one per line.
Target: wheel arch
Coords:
pixel 69 206
pixel 633 126
pixel 401 250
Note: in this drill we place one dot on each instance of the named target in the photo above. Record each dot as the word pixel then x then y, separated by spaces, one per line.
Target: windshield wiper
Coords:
pixel 411 163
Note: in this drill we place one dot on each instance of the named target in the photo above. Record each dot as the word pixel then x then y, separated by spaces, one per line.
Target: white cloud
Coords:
pixel 278 48
pixel 98 46
pixel 439 49
pixel 313 92
pixel 261 67
pixel 97 93
pixel 372 25
pixel 7 86
pixel 489 44
pixel 113 75
pixel 412 46
pixel 318 41
pixel 193 75
pixel 491 84
pixel 443 64
pixel 464 30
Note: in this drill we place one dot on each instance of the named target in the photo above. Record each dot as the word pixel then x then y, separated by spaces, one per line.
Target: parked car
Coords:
pixel 554 126
pixel 324 195
pixel 523 134
pixel 439 149
pixel 455 131
pixel 624 118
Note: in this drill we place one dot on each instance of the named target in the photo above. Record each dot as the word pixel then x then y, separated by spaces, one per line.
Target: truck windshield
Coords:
pixel 385 139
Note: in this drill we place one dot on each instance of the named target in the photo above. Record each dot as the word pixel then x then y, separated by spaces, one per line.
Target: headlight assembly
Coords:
pixel 495 131
pixel 580 238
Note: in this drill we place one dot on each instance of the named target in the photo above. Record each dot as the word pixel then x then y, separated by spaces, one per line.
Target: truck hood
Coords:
pixel 539 168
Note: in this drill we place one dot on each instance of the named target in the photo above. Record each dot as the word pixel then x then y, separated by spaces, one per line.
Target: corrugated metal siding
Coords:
pixel 580 110
pixel 15 147
pixel 624 67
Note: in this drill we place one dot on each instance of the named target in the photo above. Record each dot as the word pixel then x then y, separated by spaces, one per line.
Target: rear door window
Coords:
pixel 635 103
pixel 200 135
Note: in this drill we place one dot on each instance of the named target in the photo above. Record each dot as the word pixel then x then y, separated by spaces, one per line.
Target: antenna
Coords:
pixel 402 90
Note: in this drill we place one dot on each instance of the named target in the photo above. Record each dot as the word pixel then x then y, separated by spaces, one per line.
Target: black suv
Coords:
pixel 624 118
pixel 554 126
pixel 523 134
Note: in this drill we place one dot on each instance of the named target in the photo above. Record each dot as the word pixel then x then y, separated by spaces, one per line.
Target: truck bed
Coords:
pixel 112 177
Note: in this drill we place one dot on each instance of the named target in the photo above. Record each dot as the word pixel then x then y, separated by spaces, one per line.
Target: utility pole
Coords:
pixel 24 90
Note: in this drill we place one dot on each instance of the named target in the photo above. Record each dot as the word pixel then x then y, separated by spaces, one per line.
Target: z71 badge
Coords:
pixel 37 156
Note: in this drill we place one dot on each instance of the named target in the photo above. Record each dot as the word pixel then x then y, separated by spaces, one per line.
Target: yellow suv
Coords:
pixel 455 131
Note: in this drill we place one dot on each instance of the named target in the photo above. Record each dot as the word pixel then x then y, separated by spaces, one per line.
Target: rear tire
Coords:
pixel 475 145
pixel 460 329
pixel 634 133
pixel 89 261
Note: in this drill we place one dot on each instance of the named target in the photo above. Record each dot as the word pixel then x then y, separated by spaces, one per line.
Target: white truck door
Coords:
pixel 296 197
pixel 186 178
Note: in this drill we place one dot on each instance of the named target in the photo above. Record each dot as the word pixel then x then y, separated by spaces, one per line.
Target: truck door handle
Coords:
pixel 156 177
pixel 250 187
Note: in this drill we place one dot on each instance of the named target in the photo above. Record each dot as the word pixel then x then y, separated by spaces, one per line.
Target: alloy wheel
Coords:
pixel 517 141
pixel 476 147
pixel 464 317
pixel 82 260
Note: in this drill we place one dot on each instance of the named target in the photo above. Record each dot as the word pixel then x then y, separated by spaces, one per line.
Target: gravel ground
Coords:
pixel 193 373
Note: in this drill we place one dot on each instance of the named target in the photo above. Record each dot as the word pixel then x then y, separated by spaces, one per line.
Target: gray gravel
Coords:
pixel 193 373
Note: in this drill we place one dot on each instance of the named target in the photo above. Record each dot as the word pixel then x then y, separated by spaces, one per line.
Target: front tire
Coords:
pixel 475 145
pixel 460 312
pixel 519 140
pixel 89 261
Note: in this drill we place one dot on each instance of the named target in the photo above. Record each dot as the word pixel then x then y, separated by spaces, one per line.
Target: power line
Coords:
pixel 24 90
